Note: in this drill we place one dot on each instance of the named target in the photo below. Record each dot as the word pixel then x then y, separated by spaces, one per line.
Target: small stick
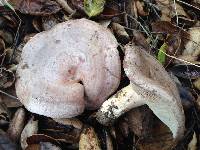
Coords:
pixel 11 96
pixel 65 6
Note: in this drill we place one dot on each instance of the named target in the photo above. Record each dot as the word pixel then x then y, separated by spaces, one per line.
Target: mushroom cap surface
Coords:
pixel 73 66
pixel 150 80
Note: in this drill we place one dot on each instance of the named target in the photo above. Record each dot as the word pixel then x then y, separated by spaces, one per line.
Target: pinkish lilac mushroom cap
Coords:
pixel 73 66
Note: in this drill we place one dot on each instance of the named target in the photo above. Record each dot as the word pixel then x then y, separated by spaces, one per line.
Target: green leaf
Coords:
pixel 94 7
pixel 161 54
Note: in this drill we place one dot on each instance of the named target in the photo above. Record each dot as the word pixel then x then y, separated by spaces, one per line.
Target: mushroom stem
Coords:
pixel 118 104
pixel 127 98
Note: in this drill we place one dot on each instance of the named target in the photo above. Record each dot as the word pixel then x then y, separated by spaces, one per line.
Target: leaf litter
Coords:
pixel 168 30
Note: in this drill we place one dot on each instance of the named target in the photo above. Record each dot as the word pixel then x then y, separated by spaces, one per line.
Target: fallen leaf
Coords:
pixel 37 138
pixel 169 9
pixel 7 36
pixel 140 8
pixel 7 78
pixel 89 140
pixel 10 99
pixel 198 103
pixel 30 129
pixel 161 53
pixel 33 147
pixel 197 83
pixel 94 7
pixel 166 27
pixel 2 46
pixel 187 99
pixel 192 47
pixel 48 22
pixel 5 142
pixel 140 121
pixel 35 7
pixel 174 37
pixel 66 130
pixel 111 9
pixel 159 138
pixel 48 146
pixel 120 33
pixel 186 71
pixel 70 122
pixel 4 113
pixel 16 126
pixel 193 143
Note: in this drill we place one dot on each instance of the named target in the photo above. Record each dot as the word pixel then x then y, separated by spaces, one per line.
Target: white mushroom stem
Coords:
pixel 121 102
pixel 127 98
pixel 151 85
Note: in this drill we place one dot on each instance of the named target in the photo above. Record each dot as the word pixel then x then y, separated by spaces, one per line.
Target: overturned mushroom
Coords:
pixel 72 66
pixel 149 84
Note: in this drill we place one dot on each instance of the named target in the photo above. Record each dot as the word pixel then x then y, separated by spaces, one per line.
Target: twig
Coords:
pixel 11 96
pixel 176 12
pixel 188 4
pixel 16 37
pixel 65 6
pixel 185 61
pixel 140 25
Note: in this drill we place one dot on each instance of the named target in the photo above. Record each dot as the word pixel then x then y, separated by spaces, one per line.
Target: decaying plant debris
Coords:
pixel 100 74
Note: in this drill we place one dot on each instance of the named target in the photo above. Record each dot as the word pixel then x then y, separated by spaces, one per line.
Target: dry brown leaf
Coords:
pixel 17 124
pixel 109 144
pixel 33 147
pixel 37 24
pixel 197 83
pixel 121 33
pixel 11 101
pixel 192 47
pixel 7 78
pixel 131 8
pixel 7 36
pixel 175 40
pixel 2 46
pixel 168 28
pixel 159 138
pixel 66 130
pixel 198 102
pixel 169 9
pixel 4 115
pixel 36 7
pixel 37 138
pixel 163 2
pixel 89 140
pixel 140 8
pixel 140 120
pixel 30 129
pixel 5 142
pixel 140 40
pixel 48 146
pixel 186 71
pixel 48 22
pixel 193 143
pixel 70 122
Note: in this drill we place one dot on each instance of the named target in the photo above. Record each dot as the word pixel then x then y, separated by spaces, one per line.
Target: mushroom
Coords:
pixel 149 84
pixel 73 66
